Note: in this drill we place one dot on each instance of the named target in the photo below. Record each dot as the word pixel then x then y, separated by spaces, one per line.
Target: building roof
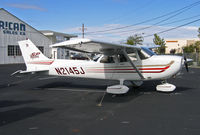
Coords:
pixel 43 32
pixel 176 39
pixel 51 33
pixel 22 21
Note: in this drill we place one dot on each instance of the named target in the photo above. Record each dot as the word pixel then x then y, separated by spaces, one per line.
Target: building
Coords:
pixel 178 44
pixel 55 37
pixel 13 29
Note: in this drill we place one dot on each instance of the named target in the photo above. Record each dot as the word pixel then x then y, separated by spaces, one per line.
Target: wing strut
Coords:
pixel 131 62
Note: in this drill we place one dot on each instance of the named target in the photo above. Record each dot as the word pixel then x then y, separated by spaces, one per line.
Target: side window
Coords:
pixel 133 56
pixel 107 59
pixel 122 58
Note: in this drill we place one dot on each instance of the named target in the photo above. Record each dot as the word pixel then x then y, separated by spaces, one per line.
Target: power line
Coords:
pixel 149 20
pixel 146 4
pixel 173 28
pixel 139 29
pixel 147 27
pixel 188 18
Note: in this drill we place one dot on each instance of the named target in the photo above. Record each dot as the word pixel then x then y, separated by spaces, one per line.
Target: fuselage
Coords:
pixel 116 62
pixel 157 67
pixel 111 61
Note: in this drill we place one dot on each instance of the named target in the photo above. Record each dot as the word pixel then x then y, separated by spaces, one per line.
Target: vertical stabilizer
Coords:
pixel 33 57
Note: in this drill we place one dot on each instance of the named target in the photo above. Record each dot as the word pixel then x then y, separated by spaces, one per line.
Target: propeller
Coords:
pixel 186 64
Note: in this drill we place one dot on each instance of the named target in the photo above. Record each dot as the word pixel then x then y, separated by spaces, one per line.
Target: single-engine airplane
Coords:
pixel 117 62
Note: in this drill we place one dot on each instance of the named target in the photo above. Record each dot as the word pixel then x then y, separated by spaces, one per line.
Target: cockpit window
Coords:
pixel 96 57
pixel 122 58
pixel 148 51
pixel 133 56
pixel 141 55
pixel 107 59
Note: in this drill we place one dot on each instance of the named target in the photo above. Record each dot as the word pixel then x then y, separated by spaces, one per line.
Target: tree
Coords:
pixel 192 48
pixel 135 39
pixel 197 46
pixel 161 42
pixel 189 48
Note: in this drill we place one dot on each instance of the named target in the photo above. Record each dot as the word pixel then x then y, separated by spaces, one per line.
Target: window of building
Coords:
pixel 14 50
pixel 18 51
pixel 11 50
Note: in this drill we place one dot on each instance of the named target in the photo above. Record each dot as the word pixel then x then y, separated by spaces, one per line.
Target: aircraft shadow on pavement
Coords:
pixel 111 98
pixel 7 103
pixel 11 116
pixel 147 87
pixel 93 87
pixel 6 85
pixel 71 85
pixel 134 92
pixel 150 86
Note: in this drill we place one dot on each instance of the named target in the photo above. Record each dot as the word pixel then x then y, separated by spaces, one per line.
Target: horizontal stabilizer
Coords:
pixel 20 72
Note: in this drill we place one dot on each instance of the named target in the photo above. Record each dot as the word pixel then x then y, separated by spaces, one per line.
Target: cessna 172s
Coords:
pixel 117 62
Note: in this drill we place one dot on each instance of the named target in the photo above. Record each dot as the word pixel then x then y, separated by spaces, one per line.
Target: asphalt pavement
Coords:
pixel 70 106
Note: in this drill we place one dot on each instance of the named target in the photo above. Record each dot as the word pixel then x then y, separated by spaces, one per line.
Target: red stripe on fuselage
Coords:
pixel 130 70
pixel 42 62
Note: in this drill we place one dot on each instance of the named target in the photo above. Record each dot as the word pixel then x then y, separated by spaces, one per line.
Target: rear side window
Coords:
pixel 122 58
pixel 107 59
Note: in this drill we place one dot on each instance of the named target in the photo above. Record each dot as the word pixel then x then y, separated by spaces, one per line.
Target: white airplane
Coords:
pixel 117 62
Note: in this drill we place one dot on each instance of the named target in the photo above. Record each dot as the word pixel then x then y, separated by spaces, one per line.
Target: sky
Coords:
pixel 127 17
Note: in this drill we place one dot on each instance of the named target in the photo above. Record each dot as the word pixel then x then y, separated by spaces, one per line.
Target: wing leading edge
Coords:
pixel 93 46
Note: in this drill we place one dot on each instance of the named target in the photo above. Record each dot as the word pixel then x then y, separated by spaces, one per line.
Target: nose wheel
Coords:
pixel 165 87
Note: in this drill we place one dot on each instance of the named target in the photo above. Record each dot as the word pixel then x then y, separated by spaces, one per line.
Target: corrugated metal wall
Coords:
pixel 11 39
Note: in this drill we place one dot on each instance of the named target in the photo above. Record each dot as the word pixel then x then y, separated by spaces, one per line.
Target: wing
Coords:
pixel 93 46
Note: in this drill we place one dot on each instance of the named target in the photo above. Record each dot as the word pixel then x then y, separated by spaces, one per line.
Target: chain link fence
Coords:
pixel 195 57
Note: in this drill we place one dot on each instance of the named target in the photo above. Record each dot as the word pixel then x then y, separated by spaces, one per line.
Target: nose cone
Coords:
pixel 178 59
pixel 178 63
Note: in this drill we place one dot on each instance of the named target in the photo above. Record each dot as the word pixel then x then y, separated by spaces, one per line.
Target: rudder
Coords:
pixel 31 53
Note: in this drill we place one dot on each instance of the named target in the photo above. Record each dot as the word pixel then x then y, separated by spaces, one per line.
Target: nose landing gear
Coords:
pixel 165 87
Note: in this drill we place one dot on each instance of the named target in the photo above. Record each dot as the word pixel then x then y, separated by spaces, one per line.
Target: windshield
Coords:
pixel 148 51
pixel 96 57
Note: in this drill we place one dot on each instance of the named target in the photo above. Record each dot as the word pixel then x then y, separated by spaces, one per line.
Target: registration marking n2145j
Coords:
pixel 69 70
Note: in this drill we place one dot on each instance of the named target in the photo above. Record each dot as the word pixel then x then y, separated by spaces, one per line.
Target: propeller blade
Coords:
pixel 186 64
pixel 185 61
